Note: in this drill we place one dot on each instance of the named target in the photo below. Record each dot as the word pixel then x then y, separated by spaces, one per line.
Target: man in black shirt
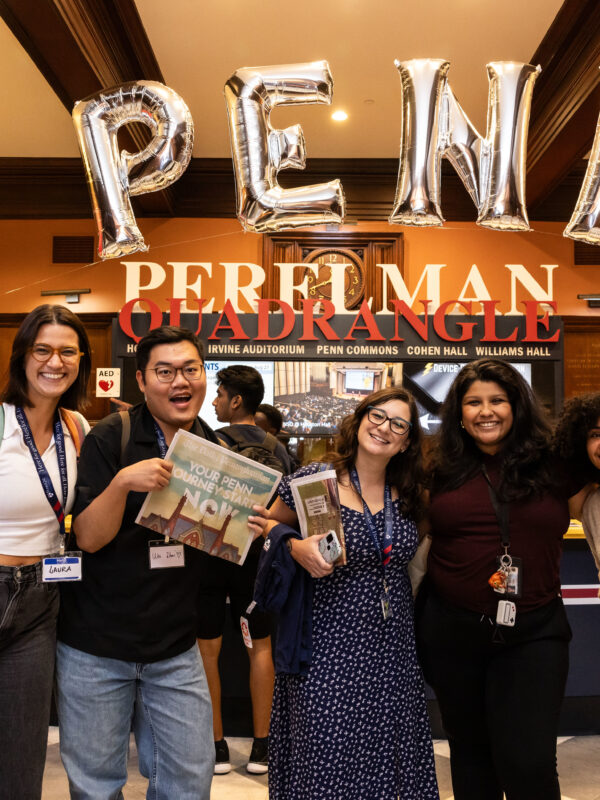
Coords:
pixel 240 390
pixel 127 652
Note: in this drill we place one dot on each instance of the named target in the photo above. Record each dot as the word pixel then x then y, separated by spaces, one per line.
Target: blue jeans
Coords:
pixel 167 702
pixel 28 610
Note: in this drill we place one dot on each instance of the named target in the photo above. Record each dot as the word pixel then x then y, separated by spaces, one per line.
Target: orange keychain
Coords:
pixel 498 581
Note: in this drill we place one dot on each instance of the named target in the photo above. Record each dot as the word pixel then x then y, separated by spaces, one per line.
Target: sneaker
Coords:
pixel 258 763
pixel 222 765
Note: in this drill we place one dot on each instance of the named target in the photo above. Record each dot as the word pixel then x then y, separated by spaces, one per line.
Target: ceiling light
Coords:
pixel 339 116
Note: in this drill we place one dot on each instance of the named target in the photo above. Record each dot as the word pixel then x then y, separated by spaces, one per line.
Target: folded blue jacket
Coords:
pixel 284 588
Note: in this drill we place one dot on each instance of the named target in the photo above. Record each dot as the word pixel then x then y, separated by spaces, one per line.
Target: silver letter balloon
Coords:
pixel 584 225
pixel 434 125
pixel 259 151
pixel 114 176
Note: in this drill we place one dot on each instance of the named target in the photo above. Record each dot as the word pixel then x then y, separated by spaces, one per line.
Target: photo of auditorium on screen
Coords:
pixel 429 383
pixel 314 397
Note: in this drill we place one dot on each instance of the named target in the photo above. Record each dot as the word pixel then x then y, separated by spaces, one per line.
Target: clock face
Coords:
pixel 319 287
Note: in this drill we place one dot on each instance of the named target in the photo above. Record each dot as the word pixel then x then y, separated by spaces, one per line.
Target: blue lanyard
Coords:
pixel 385 548
pixel 162 442
pixel 46 481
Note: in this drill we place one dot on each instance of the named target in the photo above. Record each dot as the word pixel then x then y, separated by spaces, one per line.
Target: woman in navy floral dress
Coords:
pixel 356 727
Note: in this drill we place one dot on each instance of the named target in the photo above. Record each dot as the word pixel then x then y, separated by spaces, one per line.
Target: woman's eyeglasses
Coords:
pixel 43 352
pixel 397 424
pixel 166 374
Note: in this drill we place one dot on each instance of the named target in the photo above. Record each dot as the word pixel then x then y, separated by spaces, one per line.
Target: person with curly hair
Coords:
pixel 577 441
pixel 492 630
pixel 355 724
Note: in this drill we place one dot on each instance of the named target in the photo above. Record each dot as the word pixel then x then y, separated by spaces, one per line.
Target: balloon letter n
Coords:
pixel 434 125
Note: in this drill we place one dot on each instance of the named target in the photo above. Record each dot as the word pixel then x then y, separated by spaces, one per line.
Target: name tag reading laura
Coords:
pixel 163 556
pixel 61 568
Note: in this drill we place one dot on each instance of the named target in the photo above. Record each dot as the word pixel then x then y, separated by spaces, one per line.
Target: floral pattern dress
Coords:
pixel 356 728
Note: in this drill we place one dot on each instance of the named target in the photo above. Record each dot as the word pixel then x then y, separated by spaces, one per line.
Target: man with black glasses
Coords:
pixel 127 649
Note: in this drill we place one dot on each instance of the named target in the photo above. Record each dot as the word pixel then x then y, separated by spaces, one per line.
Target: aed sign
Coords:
pixel 108 382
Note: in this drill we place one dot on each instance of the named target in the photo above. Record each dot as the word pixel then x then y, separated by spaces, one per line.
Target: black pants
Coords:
pixel 28 610
pixel 499 691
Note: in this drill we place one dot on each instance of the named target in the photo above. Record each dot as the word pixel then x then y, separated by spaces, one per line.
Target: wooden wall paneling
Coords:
pixel 99 331
pixel 278 249
pixel 566 99
pixel 582 355
pixel 370 248
pixel 49 188
pixel 8 330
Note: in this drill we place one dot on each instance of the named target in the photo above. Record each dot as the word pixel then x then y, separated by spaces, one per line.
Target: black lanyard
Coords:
pixel 501 509
pixel 45 479
pixel 385 548
pixel 162 442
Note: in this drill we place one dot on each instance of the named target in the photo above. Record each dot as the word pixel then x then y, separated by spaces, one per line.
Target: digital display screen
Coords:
pixel 316 401
pixel 360 380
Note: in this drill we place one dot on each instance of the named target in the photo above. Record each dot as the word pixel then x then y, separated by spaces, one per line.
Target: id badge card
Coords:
pixel 246 636
pixel 512 587
pixel 386 607
pixel 246 632
pixel 65 567
pixel 164 555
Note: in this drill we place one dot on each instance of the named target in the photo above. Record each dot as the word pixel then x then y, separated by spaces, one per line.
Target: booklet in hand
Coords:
pixel 318 507
pixel 209 497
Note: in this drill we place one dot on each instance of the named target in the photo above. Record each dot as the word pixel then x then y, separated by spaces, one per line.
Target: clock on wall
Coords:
pixel 319 285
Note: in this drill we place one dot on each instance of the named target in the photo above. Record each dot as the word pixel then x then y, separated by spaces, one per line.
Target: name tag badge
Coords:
pixel 386 607
pixel 62 568
pixel 164 555
pixel 508 579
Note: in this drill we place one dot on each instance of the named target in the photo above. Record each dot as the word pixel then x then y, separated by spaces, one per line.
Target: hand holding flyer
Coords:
pixel 318 507
pixel 209 497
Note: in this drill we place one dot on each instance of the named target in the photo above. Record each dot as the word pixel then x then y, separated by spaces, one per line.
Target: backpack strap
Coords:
pixel 125 432
pixel 74 422
pixel 231 432
pixel 237 436
pixel 270 442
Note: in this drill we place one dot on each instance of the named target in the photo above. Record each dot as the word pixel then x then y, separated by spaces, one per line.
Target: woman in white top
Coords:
pixel 49 367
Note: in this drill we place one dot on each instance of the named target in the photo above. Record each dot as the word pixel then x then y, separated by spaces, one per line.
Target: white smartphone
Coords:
pixel 330 547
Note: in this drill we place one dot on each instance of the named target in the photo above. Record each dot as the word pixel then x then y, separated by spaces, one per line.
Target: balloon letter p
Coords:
pixel 114 176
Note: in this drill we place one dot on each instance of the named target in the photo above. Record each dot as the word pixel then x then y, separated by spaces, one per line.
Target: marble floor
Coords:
pixel 578 766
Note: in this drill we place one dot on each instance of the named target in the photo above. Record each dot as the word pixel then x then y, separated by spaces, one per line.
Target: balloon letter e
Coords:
pixel 260 151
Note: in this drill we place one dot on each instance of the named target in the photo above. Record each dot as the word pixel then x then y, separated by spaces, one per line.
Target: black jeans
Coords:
pixel 28 611
pixel 499 692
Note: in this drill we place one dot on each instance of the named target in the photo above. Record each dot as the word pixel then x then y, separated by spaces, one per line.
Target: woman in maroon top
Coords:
pixel 492 629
